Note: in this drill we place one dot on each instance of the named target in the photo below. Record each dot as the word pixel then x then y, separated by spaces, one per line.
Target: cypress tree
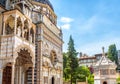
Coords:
pixel 73 61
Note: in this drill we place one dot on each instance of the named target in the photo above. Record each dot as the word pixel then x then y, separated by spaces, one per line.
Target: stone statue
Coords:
pixel 19 31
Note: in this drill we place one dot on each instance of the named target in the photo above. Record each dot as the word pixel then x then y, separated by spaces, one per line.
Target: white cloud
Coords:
pixel 66 20
pixel 66 26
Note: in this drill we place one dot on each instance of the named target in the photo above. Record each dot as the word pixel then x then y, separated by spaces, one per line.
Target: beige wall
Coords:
pixel 81 83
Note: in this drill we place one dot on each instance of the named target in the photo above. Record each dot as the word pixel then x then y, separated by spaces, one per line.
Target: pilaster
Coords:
pixel 1 74
pixel 32 75
pixel 20 74
pixel 39 54
pixel 13 73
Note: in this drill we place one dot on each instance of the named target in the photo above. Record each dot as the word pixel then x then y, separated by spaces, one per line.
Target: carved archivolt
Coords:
pixel 25 47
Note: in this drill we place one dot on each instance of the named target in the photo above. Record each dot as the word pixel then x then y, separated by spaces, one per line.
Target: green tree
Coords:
pixel 118 80
pixel 73 60
pixel 66 68
pixel 90 79
pixel 83 72
pixel 112 53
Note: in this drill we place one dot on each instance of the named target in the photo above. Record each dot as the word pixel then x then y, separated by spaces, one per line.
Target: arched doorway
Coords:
pixel 17 71
pixel 53 80
pixel 23 64
pixel 7 71
pixel 104 82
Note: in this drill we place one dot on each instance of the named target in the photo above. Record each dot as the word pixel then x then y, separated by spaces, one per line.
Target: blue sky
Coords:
pixel 92 23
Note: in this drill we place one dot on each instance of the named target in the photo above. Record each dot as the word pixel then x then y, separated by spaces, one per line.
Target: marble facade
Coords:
pixel 30 43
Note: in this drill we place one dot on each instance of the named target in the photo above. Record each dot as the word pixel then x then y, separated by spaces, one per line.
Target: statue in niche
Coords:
pixel 9 30
pixel 19 31
pixel 30 37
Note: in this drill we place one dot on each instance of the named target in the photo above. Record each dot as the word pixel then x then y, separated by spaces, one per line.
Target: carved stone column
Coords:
pixel 1 73
pixel 4 28
pixel 23 77
pixel 16 75
pixel 20 74
pixel 39 54
pixel 15 27
pixel 23 8
pixel 13 73
pixel 32 75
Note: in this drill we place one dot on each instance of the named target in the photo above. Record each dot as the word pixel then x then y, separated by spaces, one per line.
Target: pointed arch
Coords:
pixel 9 25
pixel 25 47
pixel 26 24
pixel 19 27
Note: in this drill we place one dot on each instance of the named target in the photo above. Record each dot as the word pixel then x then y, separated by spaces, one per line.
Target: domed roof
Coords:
pixel 2 2
pixel 46 2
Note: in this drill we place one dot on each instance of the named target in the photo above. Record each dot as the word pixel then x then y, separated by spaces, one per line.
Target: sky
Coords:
pixel 92 24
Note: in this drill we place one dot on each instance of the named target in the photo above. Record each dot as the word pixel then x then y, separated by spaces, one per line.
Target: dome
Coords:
pixel 2 2
pixel 46 2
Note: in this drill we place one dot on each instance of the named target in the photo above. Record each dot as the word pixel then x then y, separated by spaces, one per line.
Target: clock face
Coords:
pixel 53 57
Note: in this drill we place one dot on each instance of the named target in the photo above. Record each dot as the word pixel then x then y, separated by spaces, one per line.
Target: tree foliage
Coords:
pixel 118 80
pixel 90 79
pixel 66 68
pixel 82 73
pixel 112 53
pixel 73 60
pixel 71 70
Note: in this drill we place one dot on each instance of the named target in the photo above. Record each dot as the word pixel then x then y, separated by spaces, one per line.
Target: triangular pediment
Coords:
pixel 104 61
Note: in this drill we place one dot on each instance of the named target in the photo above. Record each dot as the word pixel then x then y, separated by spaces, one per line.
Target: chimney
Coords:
pixel 80 54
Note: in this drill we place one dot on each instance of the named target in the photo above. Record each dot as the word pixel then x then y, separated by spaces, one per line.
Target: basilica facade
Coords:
pixel 30 43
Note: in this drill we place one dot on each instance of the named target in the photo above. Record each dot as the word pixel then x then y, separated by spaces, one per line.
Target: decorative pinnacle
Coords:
pixel 103 49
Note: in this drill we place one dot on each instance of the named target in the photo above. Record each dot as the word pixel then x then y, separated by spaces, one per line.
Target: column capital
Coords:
pixel 1 70
pixel 13 63
pixel 33 67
